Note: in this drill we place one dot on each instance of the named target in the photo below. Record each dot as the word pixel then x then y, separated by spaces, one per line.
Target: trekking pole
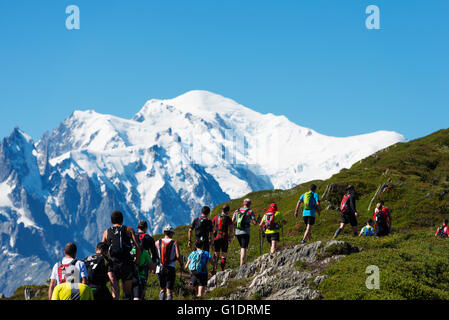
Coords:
pixel 260 243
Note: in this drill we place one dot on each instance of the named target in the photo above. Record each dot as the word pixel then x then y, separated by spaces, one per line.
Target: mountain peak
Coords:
pixel 198 102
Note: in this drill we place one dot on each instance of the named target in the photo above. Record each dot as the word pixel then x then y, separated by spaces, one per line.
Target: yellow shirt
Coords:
pixel 277 219
pixel 72 291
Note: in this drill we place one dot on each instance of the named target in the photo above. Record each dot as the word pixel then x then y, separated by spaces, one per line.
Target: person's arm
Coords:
pixel 262 222
pixel 211 234
pixel 297 208
pixel 178 255
pixel 105 236
pixel 154 255
pixel 51 287
pixel 352 203
pixel 136 244
pixel 187 264
pixel 253 218
pixel 189 243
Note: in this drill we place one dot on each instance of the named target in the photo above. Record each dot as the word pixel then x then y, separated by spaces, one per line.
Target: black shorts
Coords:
pixel 123 270
pixel 349 218
pixel 221 245
pixel 101 293
pixel 139 288
pixel 309 220
pixel 243 240
pixel 272 237
pixel 167 276
pixel 199 279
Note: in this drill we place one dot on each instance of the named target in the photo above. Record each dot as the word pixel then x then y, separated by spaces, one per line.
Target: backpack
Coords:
pixel 241 225
pixel 201 229
pixel 381 218
pixel 66 272
pixel 441 233
pixel 196 264
pixel 119 243
pixel 269 221
pixel 94 275
pixel 344 207
pixel 165 250
pixel 368 231
pixel 221 227
pixel 309 201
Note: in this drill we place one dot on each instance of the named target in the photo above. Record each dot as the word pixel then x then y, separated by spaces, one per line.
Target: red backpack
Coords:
pixel 165 250
pixel 344 207
pixel 269 220
pixel 221 227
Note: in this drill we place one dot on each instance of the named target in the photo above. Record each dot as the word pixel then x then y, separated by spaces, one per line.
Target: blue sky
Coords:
pixel 312 61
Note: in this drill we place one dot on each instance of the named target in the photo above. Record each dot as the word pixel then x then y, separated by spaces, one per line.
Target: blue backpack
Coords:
pixel 368 231
pixel 196 264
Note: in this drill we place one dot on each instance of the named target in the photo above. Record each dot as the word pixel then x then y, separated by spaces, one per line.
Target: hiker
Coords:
pixel 203 229
pixel 72 291
pixel 68 270
pixel 120 240
pixel 368 229
pixel 382 219
pixel 147 262
pixel 222 236
pixel 443 230
pixel 242 220
pixel 100 272
pixel 146 242
pixel 380 207
pixel 271 224
pixel 168 253
pixel 197 264
pixel 311 203
pixel 349 212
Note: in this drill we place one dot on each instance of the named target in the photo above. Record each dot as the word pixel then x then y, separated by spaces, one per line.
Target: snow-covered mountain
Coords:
pixel 163 165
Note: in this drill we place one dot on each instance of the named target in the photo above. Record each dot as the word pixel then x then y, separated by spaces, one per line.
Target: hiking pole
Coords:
pixel 260 243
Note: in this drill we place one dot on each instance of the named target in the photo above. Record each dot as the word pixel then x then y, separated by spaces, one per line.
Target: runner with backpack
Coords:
pixel 100 272
pixel 203 229
pixel 222 236
pixel 146 263
pixel 383 219
pixel 443 230
pixel 271 225
pixel 168 254
pixel 120 240
pixel 68 270
pixel 242 220
pixel 311 204
pixel 197 265
pixel 349 212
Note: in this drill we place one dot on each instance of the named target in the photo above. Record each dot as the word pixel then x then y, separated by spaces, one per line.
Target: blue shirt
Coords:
pixel 204 258
pixel 311 212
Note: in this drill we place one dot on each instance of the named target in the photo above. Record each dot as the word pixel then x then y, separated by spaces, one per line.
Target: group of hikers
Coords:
pixel 128 256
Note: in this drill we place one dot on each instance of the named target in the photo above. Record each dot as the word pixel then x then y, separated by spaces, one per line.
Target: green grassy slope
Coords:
pixel 413 180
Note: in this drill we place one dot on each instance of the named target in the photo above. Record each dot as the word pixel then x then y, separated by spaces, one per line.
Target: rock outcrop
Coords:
pixel 290 274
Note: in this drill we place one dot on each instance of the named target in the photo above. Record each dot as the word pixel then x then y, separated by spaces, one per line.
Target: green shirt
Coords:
pixel 144 260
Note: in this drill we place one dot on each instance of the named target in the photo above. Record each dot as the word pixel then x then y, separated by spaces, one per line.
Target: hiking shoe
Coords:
pixel 162 295
pixel 303 241
pixel 169 297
